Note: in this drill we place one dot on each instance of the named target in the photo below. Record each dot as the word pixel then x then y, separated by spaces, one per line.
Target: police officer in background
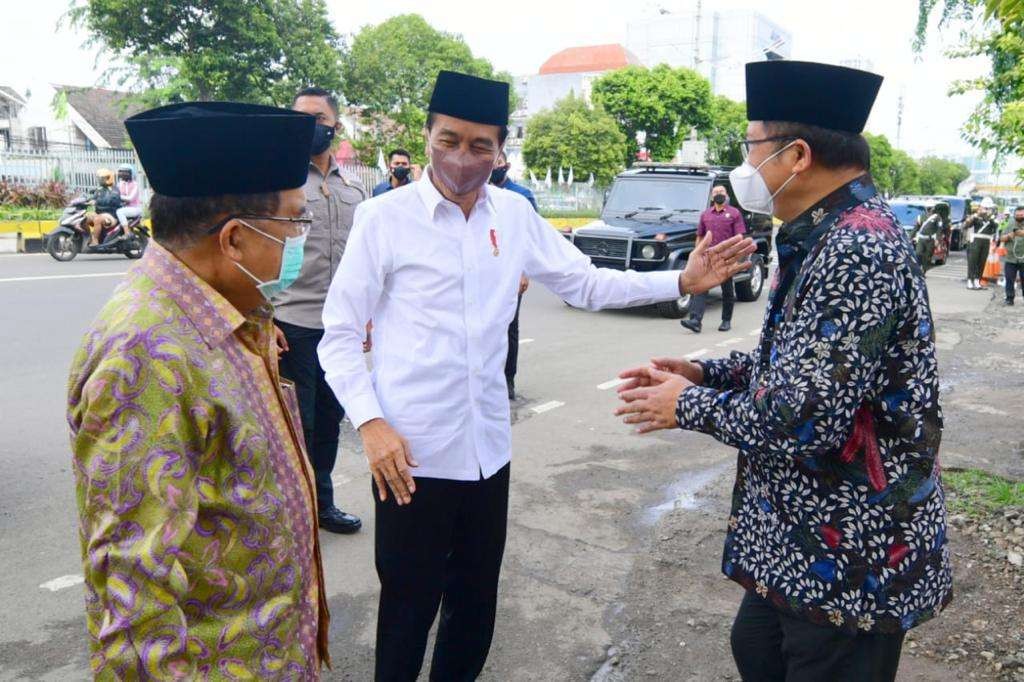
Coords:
pixel 930 229
pixel 331 198
pixel 984 230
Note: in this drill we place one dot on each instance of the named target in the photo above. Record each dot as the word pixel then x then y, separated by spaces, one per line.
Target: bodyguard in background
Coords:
pixel 401 171
pixel 723 222
pixel 499 178
pixel 331 199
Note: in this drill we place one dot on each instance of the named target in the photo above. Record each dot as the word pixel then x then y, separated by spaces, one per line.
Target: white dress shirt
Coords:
pixel 441 291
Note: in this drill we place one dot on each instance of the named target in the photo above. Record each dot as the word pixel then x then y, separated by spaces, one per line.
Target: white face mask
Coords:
pixel 749 186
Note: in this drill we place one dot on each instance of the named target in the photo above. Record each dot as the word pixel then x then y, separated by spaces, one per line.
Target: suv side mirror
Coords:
pixel 604 199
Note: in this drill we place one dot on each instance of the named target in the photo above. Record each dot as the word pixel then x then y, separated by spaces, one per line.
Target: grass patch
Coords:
pixel 976 492
pixel 26 213
pixel 570 214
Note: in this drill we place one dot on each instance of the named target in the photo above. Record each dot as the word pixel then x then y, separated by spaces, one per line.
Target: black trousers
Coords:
pixel 977 254
pixel 320 411
pixel 771 646
pixel 1012 271
pixel 512 359
pixel 444 548
pixel 700 302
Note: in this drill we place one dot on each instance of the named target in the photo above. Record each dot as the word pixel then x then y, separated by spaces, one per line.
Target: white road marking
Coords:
pixel 696 354
pixel 339 480
pixel 45 277
pixel 547 407
pixel 62 582
pixel 731 342
pixel 611 384
pixel 755 332
pixel 525 341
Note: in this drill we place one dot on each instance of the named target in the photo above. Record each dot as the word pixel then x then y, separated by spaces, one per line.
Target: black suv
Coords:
pixel 649 222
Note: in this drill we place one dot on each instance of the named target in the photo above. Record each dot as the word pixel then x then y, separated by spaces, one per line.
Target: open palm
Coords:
pixel 708 266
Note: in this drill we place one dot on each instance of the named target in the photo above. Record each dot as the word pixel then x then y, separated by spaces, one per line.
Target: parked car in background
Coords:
pixel 907 212
pixel 649 222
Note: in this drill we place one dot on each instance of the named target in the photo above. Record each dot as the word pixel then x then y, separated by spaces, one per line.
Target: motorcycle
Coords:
pixel 71 236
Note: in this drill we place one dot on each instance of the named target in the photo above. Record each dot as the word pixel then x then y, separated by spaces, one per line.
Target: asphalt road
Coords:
pixel 585 490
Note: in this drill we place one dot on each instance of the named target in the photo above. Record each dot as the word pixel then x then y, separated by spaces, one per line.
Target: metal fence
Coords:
pixel 578 197
pixel 369 175
pixel 76 168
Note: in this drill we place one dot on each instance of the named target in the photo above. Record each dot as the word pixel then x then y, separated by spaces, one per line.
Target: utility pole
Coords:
pixel 696 35
pixel 899 122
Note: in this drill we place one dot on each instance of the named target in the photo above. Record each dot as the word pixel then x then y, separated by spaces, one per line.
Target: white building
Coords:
pixel 717 44
pixel 570 71
pixel 573 70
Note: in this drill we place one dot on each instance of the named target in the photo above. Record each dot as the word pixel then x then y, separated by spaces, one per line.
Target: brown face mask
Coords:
pixel 461 172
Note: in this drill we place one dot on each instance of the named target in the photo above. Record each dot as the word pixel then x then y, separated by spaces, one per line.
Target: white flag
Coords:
pixel 561 176
pixel 569 181
pixel 533 179
pixel 381 163
pixel 547 180
pixel 590 182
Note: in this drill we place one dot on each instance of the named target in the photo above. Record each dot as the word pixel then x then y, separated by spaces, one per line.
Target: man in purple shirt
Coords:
pixel 722 221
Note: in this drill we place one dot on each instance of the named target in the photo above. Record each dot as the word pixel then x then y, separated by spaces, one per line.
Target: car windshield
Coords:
pixel 656 196
pixel 907 214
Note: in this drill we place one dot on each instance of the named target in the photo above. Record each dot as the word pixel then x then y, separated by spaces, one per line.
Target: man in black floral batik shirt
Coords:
pixel 838 523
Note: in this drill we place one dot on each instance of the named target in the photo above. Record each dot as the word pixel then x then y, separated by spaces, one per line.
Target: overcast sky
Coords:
pixel 519 36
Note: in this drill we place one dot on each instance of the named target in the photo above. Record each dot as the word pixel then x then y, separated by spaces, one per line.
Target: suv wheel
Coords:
pixel 750 289
pixel 676 309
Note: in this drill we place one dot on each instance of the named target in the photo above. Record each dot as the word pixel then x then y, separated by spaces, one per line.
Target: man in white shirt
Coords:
pixel 436 264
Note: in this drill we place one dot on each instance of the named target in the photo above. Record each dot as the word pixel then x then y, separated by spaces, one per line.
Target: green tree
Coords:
pixel 941 176
pixel 995 29
pixel 389 71
pixel 727 129
pixel 882 163
pixel 247 50
pixel 575 135
pixel 663 102
pixel 893 170
pixel 905 173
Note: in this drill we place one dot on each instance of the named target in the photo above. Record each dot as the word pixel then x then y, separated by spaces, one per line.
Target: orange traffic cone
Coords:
pixel 993 266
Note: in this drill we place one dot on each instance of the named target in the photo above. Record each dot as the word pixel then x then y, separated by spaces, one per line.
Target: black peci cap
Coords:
pixel 470 98
pixel 202 149
pixel 827 96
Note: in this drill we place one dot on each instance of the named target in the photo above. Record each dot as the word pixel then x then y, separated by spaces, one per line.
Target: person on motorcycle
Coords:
pixel 106 200
pixel 128 188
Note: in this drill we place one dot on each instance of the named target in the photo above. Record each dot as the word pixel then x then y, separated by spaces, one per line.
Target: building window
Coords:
pixel 519 132
pixel 5 139
pixel 37 137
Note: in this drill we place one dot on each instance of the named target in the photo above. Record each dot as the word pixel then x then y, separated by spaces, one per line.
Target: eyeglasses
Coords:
pixel 302 223
pixel 745 145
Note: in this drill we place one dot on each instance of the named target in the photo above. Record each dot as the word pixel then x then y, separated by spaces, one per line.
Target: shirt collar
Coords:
pixel 432 198
pixel 210 313
pixel 801 230
pixel 332 167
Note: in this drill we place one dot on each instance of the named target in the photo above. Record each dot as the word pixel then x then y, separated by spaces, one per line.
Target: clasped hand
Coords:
pixel 651 393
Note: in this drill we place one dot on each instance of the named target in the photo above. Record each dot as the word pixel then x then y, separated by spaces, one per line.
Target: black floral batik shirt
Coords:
pixel 838 513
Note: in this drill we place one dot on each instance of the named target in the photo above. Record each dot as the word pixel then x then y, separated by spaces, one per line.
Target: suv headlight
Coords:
pixel 648 252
